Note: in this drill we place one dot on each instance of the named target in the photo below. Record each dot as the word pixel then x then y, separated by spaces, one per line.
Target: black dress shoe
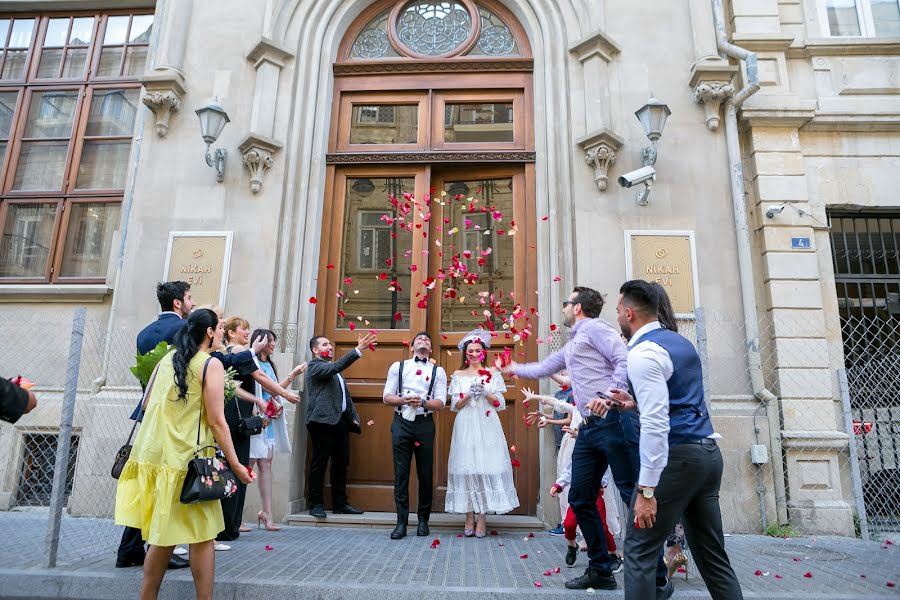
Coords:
pixel 318 511
pixel 124 563
pixel 422 530
pixel 665 592
pixel 592 579
pixel 399 531
pixel 176 562
pixel 571 556
pixel 348 510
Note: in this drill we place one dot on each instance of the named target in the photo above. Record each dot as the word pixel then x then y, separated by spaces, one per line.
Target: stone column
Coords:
pixel 259 146
pixel 803 374
pixel 165 85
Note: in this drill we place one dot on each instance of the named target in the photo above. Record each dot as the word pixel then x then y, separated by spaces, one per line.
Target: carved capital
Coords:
pixel 600 153
pixel 163 103
pixel 712 94
pixel 257 154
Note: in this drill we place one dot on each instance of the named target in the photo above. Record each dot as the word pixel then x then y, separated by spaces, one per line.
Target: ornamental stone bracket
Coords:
pixel 163 94
pixel 600 153
pixel 711 86
pixel 257 157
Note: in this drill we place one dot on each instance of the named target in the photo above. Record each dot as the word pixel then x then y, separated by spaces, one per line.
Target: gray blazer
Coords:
pixel 323 390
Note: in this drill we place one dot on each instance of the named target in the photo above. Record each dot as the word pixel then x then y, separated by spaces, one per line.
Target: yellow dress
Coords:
pixel 147 497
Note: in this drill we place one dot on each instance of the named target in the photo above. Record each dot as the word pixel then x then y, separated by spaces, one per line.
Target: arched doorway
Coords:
pixel 429 211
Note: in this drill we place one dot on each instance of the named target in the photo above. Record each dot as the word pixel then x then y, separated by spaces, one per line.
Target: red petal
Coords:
pixel 808 575
pixel 329 266
pixel 524 556
pixel 351 325
pixel 557 570
pixel 494 532
pixel 548 573
pixel 458 535
pixel 435 544
pixel 890 584
pixel 776 577
pixel 418 371
pixel 515 463
pixel 312 300
pixel 552 326
pixel 269 547
pixel 796 559
pixel 538 584
pixel 544 218
pixel 758 573
pixel 348 280
pixel 372 346
pixel 557 278
pixel 531 535
pixel 397 316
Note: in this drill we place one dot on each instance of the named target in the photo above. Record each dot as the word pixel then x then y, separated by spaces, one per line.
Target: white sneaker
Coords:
pixel 180 551
pixel 220 547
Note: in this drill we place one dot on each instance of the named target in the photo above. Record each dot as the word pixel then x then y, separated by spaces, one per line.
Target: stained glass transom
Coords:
pixel 434 28
pixel 373 41
pixel 495 38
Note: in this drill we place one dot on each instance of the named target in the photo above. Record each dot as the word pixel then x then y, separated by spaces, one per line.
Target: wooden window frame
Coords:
pixel 99 47
pixel 442 98
pixel 345 117
pixel 51 249
pixel 60 245
pixel 863 15
pixel 31 46
pixel 39 49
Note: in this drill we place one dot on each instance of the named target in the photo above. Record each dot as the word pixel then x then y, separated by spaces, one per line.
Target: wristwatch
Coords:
pixel 647 492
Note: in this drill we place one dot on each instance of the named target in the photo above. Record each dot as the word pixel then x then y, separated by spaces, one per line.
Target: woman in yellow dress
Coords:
pixel 148 496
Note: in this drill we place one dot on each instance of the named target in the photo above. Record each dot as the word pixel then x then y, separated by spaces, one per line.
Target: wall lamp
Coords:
pixel 653 117
pixel 213 119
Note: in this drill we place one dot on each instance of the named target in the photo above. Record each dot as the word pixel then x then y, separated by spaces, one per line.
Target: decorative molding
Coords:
pixel 599 44
pixel 460 65
pixel 763 42
pixel 846 47
pixel 268 50
pixel 164 94
pixel 257 154
pixel 53 292
pixel 427 157
pixel 600 152
pixel 781 110
pixel 712 94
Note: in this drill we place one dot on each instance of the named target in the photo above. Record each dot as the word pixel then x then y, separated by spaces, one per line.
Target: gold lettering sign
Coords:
pixel 202 261
pixel 667 260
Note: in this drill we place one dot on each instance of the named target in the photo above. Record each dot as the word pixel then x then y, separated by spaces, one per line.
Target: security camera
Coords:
pixel 774 210
pixel 642 175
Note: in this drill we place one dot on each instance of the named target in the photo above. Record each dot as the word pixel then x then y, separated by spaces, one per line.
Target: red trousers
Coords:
pixel 569 524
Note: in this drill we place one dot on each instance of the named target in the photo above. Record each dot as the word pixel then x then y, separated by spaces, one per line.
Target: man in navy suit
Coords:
pixel 176 303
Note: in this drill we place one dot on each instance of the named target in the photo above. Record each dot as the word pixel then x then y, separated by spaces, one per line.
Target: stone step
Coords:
pixel 437 521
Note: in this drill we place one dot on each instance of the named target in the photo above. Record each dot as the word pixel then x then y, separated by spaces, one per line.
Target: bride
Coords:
pixel 480 477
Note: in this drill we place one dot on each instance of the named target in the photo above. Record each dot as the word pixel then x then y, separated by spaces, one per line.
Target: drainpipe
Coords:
pixel 745 263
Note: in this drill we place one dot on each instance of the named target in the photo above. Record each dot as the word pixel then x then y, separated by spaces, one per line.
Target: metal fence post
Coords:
pixel 703 351
pixel 64 440
pixel 854 458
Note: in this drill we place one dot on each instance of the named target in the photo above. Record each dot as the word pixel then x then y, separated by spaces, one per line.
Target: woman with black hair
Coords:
pixel 185 392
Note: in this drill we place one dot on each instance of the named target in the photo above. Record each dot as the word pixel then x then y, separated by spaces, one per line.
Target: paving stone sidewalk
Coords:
pixel 307 562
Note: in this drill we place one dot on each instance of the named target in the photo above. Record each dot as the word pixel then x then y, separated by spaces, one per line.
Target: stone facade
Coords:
pixel 822 132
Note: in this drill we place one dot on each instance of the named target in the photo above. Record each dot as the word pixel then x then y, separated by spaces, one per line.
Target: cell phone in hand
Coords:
pixel 608 397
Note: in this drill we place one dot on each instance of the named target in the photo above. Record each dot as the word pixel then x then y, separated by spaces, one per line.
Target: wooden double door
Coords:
pixel 437 249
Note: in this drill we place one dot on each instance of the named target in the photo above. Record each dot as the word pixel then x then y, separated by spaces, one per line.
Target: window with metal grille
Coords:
pixel 36 470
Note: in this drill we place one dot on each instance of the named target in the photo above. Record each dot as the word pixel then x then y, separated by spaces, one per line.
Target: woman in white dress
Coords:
pixel 479 477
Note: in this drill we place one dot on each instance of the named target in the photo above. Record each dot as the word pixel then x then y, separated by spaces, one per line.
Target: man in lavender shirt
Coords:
pixel 596 358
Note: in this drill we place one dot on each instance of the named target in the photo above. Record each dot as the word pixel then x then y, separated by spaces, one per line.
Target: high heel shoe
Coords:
pixel 678 562
pixel 468 532
pixel 261 518
pixel 480 533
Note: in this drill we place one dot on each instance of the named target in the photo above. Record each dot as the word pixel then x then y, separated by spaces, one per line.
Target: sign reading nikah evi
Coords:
pixel 667 258
pixel 200 258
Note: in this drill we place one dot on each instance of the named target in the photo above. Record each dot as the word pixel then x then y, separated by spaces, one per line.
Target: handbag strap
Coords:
pixel 142 408
pixel 200 418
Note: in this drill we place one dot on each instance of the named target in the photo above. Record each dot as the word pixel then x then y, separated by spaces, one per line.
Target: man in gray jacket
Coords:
pixel 330 417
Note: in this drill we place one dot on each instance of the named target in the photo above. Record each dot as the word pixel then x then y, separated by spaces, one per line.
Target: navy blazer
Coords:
pixel 162 329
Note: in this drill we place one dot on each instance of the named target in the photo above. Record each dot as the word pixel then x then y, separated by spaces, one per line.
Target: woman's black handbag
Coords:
pixel 250 425
pixel 207 478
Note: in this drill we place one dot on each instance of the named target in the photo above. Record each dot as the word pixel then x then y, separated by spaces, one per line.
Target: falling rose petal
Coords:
pixel 776 576
pixel 512 448
pixel 435 543
pixel 516 464
pixel 796 559
pixel 348 280
pixel 351 325
pixel 312 300
pixel 329 266
pixel 372 346
pixel 531 535
pixel 537 584
pixel 808 575
pixel 524 556
pixel 370 422
pixel 888 542
pixel 269 548
pixel 458 535
pixel 548 573
pixel 397 316
pixel 494 532
pixel 417 444
pixel 758 573
pixel 890 584
pixel 544 218
pixel 557 278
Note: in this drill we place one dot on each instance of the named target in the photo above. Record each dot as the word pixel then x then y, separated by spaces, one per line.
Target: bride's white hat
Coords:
pixel 481 335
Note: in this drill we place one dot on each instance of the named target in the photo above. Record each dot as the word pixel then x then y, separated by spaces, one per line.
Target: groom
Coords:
pixel 415 388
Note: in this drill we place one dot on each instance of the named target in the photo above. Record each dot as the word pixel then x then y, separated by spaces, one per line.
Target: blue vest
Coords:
pixel 688 417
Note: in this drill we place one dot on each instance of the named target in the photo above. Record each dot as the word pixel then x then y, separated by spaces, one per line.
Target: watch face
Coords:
pixel 648 493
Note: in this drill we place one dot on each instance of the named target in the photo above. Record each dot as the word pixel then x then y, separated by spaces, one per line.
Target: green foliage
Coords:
pixel 147 362
pixel 231 383
pixel 782 531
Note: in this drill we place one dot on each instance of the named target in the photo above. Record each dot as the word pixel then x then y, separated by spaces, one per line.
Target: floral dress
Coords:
pixel 479 476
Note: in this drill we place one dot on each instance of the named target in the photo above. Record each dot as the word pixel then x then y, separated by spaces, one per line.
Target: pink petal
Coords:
pixel 494 532
pixel 778 577
pixel 890 584
pixel 538 584
pixel 435 543
pixel 758 573
pixel 808 575
pixel 531 535
pixel 524 556
pixel 548 573
pixel 269 547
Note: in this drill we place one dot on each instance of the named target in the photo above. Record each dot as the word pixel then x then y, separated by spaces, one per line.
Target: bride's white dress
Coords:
pixel 479 469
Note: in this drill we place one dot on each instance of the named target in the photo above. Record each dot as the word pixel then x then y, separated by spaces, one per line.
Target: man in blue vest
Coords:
pixel 681 465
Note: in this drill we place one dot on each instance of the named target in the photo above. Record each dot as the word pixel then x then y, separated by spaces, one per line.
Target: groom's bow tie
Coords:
pixel 420 360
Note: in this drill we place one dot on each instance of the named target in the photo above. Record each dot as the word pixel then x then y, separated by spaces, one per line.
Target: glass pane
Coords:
pixel 21 33
pixel 484 122
pixel 103 165
pixel 57 30
pixel 41 166
pixel 75 59
pixel 112 112
pixel 376 255
pixel 476 247
pixel 434 28
pixel 4 29
pixel 88 238
pixel 372 41
pixel 843 19
pixel 82 31
pixel 27 235
pixel 384 124
pixel 886 14
pixel 51 114
pixel 49 67
pixel 110 62
pixel 141 26
pixel 14 67
pixel 135 58
pixel 495 38
pixel 7 112
pixel 116 29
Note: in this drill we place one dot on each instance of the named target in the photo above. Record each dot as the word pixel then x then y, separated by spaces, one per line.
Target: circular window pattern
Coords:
pixel 372 43
pixel 434 28
pixel 496 41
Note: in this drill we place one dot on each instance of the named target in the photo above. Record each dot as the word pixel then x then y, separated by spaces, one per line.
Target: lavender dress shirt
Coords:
pixel 595 357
